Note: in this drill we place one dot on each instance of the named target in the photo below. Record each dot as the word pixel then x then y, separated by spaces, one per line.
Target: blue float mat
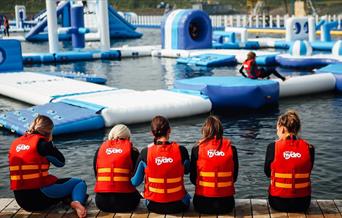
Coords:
pixel 233 92
pixel 66 118
pixel 209 60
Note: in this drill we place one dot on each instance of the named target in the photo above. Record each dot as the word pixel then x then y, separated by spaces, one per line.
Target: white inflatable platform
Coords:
pixel 115 105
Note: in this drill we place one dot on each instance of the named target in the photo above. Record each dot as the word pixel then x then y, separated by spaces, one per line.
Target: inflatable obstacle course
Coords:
pixel 209 60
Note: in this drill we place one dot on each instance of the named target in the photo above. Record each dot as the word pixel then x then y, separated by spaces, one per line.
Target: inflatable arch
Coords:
pixel 186 29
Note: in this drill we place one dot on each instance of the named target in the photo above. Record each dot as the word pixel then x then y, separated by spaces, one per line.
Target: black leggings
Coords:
pixel 117 202
pixel 213 205
pixel 264 73
pixel 289 204
pixel 167 208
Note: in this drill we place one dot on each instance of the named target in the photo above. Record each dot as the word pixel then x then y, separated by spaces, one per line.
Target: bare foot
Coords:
pixel 79 208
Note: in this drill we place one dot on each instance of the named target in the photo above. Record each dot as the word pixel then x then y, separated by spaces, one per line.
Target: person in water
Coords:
pixel 251 70
pixel 163 163
pixel 288 164
pixel 114 163
pixel 213 170
pixel 29 161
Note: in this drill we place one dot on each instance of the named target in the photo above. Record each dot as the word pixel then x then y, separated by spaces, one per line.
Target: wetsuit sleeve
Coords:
pixel 185 159
pixel 241 71
pixel 135 156
pixel 312 154
pixel 94 161
pixel 139 171
pixel 236 163
pixel 269 159
pixel 48 150
pixel 193 164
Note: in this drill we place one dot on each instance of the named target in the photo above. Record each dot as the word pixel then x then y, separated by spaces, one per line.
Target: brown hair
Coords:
pixel 290 120
pixel 160 127
pixel 42 125
pixel 212 128
pixel 251 55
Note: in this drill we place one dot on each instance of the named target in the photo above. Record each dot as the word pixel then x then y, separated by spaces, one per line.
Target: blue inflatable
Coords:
pixel 118 26
pixel 186 29
pixel 10 56
pixel 335 69
pixel 66 118
pixel 233 92
pixel 209 60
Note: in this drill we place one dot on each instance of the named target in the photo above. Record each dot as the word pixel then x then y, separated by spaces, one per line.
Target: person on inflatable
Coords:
pixel 163 163
pixel 29 161
pixel 213 170
pixel 288 164
pixel 114 163
pixel 252 70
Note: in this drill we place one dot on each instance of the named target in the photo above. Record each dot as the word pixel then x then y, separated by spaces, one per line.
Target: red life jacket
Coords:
pixel 215 169
pixel 28 169
pixel 247 66
pixel 114 167
pixel 291 169
pixel 164 174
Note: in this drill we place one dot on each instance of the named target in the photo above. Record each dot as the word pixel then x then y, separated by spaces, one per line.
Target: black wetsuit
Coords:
pixel 263 73
pixel 212 205
pixel 117 202
pixel 35 199
pixel 286 204
pixel 170 207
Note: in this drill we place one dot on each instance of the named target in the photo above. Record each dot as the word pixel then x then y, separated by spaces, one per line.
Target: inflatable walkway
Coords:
pixel 78 106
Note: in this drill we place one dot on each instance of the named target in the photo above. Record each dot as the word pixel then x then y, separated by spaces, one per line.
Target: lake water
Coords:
pixel 321 117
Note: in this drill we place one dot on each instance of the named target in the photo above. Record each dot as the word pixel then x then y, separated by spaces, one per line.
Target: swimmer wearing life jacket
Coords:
pixel 34 188
pixel 288 164
pixel 252 70
pixel 163 164
pixel 114 164
pixel 214 170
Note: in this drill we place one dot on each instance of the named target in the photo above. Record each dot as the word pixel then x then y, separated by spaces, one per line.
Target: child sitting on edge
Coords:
pixel 214 170
pixel 163 163
pixel 288 164
pixel 114 163
pixel 34 187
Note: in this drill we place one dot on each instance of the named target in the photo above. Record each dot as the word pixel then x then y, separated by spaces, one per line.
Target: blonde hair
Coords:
pixel 119 131
pixel 290 120
pixel 42 125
